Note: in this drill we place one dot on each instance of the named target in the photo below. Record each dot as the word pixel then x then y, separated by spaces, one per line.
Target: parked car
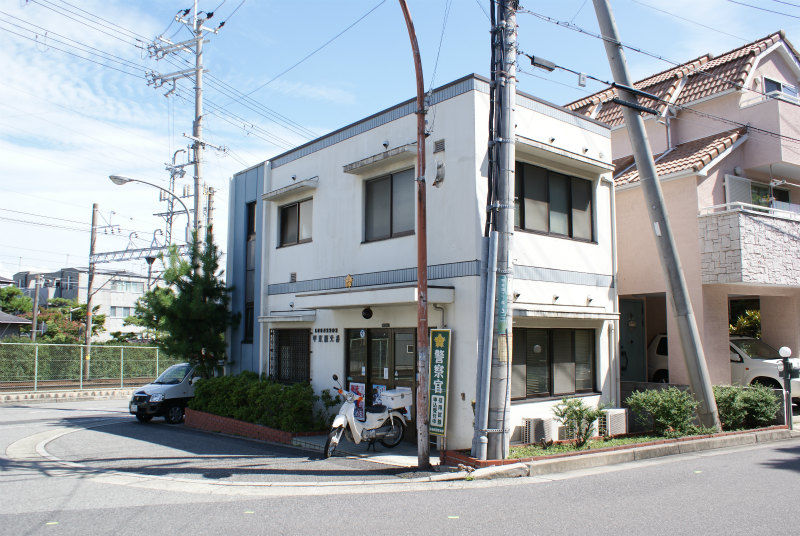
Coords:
pixel 657 360
pixel 167 396
pixel 752 361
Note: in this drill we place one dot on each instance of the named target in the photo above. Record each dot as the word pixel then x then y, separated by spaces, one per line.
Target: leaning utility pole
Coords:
pixel 88 334
pixel 506 79
pixel 423 437
pixel 667 250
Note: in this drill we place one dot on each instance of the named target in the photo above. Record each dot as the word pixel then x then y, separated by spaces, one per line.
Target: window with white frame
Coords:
pixel 121 312
pixel 775 88
pixel 295 222
pixel 389 206
pixel 553 203
pixel 127 286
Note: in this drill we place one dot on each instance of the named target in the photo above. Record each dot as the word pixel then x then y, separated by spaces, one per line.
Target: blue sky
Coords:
pixel 69 119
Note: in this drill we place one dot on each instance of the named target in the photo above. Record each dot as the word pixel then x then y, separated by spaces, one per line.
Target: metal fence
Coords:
pixel 40 367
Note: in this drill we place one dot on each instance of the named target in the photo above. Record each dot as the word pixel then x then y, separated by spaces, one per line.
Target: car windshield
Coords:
pixel 756 348
pixel 174 374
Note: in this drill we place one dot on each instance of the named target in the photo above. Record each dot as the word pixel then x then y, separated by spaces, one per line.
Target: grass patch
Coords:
pixel 530 451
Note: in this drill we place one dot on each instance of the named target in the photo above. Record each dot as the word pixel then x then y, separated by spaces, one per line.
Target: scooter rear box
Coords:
pixel 397 398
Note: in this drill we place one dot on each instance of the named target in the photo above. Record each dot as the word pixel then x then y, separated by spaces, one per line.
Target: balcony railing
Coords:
pixel 752 244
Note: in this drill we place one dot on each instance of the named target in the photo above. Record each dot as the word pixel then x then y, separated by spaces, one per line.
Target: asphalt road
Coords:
pixel 176 481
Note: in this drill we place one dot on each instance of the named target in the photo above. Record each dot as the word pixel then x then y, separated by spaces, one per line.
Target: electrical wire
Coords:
pixel 307 56
pixel 707 27
pixel 764 9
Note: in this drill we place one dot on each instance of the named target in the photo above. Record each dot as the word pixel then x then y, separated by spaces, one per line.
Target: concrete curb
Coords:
pixel 66 396
pixel 588 461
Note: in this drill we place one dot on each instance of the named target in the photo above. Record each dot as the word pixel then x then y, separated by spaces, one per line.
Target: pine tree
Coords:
pixel 190 315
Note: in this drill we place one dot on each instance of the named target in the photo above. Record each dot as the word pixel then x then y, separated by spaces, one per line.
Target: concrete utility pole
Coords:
pixel 197 127
pixel 668 252
pixel 88 334
pixel 506 79
pixel 423 437
pixel 37 285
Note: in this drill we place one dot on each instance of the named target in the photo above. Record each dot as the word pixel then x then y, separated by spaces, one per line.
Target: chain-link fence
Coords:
pixel 39 367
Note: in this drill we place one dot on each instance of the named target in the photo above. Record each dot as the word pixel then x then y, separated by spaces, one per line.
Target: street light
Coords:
pixel 119 180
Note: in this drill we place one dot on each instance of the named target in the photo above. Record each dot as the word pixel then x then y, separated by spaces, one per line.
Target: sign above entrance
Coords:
pixel 439 376
pixel 326 335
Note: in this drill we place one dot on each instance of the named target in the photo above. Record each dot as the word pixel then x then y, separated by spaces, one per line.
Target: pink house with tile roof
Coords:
pixel 726 141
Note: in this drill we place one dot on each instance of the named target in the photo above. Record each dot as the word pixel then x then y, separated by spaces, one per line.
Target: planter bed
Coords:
pixel 208 422
pixel 452 457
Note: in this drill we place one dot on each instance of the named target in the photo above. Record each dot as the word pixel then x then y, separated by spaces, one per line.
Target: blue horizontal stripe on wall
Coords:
pixel 389 277
pixel 551 275
pixel 440 271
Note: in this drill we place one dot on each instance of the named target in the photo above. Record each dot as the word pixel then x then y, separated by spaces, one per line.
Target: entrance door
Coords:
pixel 633 362
pixel 381 359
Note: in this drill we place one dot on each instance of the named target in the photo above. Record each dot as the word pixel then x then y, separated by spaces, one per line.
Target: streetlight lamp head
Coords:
pixel 119 180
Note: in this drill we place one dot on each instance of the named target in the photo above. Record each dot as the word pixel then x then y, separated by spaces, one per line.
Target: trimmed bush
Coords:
pixel 670 412
pixel 245 397
pixel 730 406
pixel 744 408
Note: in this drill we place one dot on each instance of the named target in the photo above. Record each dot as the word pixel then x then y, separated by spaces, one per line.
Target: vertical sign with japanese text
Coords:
pixel 439 376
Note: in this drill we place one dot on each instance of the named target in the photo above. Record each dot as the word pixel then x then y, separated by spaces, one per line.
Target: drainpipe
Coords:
pixel 613 335
pixel 480 439
pixel 442 309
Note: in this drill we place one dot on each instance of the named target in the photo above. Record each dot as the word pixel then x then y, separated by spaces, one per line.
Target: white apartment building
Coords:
pixel 322 253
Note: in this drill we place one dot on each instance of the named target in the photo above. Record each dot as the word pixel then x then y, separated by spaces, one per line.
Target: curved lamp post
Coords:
pixel 119 180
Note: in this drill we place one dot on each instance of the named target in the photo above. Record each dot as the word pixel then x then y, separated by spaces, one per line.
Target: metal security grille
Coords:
pixel 289 355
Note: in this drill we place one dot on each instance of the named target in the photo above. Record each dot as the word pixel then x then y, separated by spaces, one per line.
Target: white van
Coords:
pixel 167 396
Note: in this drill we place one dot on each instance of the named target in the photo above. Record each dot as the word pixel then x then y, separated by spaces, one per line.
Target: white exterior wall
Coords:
pixel 455 219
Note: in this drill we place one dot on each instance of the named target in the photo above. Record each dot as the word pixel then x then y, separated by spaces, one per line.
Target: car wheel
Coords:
pixel 767 382
pixel 143 417
pixel 174 414
pixel 661 376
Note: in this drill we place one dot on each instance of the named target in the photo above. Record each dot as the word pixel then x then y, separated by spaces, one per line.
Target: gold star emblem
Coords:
pixel 348 281
pixel 439 341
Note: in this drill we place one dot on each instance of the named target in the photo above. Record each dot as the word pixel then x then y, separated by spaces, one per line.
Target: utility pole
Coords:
pixel 423 437
pixel 88 334
pixel 195 45
pixel 209 193
pixel 37 285
pixel 670 262
pixel 505 36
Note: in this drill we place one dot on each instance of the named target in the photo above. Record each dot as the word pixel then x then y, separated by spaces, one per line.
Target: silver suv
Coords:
pixel 167 396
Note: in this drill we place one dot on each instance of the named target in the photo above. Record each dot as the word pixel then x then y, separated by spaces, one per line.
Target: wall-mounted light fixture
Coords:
pixel 366 312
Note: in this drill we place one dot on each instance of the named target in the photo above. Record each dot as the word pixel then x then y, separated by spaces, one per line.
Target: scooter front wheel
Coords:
pixel 395 434
pixel 333 439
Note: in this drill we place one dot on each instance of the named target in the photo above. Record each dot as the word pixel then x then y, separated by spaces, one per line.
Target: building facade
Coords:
pixel 115 292
pixel 335 255
pixel 725 141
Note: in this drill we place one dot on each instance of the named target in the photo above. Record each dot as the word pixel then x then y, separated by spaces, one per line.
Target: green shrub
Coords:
pixel 669 411
pixel 730 406
pixel 262 401
pixel 761 405
pixel 573 412
pixel 743 407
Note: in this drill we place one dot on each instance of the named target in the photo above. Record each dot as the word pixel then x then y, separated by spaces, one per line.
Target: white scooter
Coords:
pixel 385 422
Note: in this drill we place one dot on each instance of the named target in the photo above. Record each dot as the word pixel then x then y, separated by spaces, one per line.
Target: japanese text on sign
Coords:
pixel 439 375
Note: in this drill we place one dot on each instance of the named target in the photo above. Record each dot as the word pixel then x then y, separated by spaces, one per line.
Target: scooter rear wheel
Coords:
pixel 333 440
pixel 395 435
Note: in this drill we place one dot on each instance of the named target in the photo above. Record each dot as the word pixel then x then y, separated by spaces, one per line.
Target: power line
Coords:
pixel 329 41
pixel 764 9
pixel 707 27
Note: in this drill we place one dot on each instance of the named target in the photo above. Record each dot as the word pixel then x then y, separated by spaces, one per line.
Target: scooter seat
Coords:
pixel 380 408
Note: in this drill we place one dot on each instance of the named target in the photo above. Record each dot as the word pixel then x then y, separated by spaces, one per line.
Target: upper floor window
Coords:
pixel 127 286
pixel 389 206
pixel 553 203
pixel 250 272
pixel 773 88
pixel 296 223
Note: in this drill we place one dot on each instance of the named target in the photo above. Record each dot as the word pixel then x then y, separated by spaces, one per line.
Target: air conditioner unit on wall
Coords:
pixel 614 421
pixel 535 429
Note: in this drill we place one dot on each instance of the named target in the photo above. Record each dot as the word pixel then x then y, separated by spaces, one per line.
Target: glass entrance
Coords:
pixel 379 359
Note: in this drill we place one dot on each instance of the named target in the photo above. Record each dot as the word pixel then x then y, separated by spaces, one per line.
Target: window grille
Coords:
pixel 289 355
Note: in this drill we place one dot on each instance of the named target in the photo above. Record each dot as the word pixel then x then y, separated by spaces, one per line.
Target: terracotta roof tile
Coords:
pixel 705 76
pixel 693 155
